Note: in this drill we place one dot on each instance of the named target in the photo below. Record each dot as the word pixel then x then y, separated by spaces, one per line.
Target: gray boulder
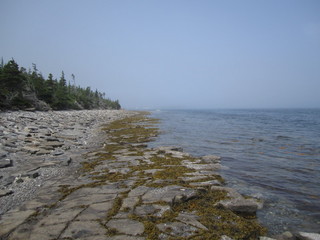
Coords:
pixel 240 205
pixel 236 202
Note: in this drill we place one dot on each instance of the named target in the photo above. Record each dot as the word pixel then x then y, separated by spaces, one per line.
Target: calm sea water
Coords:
pixel 271 154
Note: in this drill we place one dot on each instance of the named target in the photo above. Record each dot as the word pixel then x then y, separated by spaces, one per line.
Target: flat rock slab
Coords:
pixel 12 219
pixel 236 202
pixel 191 219
pixel 169 194
pixel 87 200
pixel 83 230
pixel 177 229
pixel 125 237
pixel 126 226
pixel 46 232
pixel 197 166
pixel 240 205
pixel 139 191
pixel 61 216
pixel 155 210
pixel 95 211
pixel 129 203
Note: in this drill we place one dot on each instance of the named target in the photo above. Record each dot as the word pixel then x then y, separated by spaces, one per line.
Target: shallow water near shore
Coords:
pixel 271 154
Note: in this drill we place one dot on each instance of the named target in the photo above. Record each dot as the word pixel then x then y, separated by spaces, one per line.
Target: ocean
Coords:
pixel 270 154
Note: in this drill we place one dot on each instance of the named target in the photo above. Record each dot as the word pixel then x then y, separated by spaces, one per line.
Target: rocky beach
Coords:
pixel 90 175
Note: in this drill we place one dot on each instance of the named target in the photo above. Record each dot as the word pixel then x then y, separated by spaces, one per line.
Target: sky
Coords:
pixel 191 54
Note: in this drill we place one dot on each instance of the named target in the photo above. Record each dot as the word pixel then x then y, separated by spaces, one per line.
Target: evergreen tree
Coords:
pixel 62 100
pixel 50 85
pixel 16 87
pixel 12 82
pixel 63 81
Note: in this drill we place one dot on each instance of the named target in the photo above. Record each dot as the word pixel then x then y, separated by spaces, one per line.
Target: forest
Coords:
pixel 29 90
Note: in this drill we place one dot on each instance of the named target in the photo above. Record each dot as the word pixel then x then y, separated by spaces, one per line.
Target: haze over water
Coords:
pixel 173 54
pixel 270 154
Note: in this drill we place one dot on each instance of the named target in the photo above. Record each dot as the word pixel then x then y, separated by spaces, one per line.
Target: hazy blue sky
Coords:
pixel 173 53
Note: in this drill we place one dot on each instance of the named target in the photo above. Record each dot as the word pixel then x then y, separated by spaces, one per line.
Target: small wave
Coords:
pixel 257 139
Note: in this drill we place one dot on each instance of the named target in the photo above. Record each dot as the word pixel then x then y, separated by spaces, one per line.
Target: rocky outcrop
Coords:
pixel 35 104
pixel 237 203
pixel 35 146
pixel 72 179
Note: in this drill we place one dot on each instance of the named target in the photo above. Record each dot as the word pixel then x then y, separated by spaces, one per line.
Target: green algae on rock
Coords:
pixel 160 168
pixel 166 190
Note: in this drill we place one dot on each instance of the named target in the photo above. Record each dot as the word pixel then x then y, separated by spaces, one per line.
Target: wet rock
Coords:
pixel 240 205
pixel 211 159
pixel 4 163
pixel 237 203
pixel 307 236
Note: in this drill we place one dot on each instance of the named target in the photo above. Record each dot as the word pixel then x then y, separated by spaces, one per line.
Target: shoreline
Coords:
pixel 67 151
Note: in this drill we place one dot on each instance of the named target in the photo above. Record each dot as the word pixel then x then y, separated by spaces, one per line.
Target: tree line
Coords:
pixel 22 89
